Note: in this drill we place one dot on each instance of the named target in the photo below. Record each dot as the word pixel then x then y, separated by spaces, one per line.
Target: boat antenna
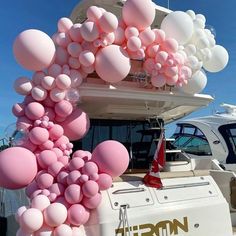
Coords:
pixel 168 4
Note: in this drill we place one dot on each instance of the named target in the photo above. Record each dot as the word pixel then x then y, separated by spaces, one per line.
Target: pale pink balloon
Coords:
pixel 172 80
pixel 186 72
pixel 73 177
pixel 76 163
pixel 92 202
pixel 138 13
pixel 46 158
pixel 37 76
pixel 62 230
pixel 104 181
pixel 75 34
pixel 89 46
pixel 40 202
pixel 45 192
pixel 86 58
pixel 93 13
pixel 108 22
pixel 38 135
pixel 52 197
pixel 62 177
pixel 64 24
pixel 62 140
pixel 20 232
pixel 134 43
pixel 88 156
pixel 18 167
pixel 19 213
pixel 57 151
pixel 89 31
pixel 36 193
pixel 152 50
pixel 44 180
pixel 55 168
pixel 23 85
pixel 64 159
pixel 170 45
pixel 38 93
pixel 34 50
pixel 18 109
pixel 74 62
pixel 90 188
pixel 61 56
pixel 74 49
pixel 111 157
pixel 63 39
pixel 57 188
pixel 147 37
pixel 131 31
pixel 171 71
pixel 89 168
pixel 73 194
pixel 159 36
pixel 57 95
pixel 76 125
pixel 112 69
pixel 63 81
pixel 149 65
pixel 55 214
pixel 119 36
pixel 76 78
pixel 78 215
pixel 48 82
pixel 88 69
pixel 45 230
pixel 31 220
pixel 158 80
pixel 161 57
pixel 54 70
pixel 34 110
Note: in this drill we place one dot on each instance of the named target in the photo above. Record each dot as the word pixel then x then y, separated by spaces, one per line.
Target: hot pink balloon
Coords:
pixel 138 13
pixel 34 110
pixel 78 215
pixel 108 22
pixel 111 157
pixel 76 125
pixel 104 181
pixel 64 24
pixel 112 69
pixel 89 31
pixel 23 85
pixel 34 50
pixel 18 167
pixel 93 202
pixel 40 202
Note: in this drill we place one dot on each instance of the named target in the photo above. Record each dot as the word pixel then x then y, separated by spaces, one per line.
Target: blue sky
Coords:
pixel 17 16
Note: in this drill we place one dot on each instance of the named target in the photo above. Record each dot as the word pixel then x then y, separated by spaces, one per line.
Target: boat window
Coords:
pixel 136 136
pixel 191 140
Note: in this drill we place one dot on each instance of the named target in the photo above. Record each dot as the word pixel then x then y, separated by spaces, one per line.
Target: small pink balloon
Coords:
pixel 90 188
pixel 76 78
pixel 34 110
pixel 73 177
pixel 57 95
pixel 75 33
pixel 63 230
pixel 89 168
pixel 37 76
pixel 61 56
pixel 45 230
pixel 44 180
pixel 76 125
pixel 158 80
pixel 88 156
pixel 147 37
pixel 46 158
pixel 161 57
pixel 58 189
pixel 31 220
pixel 79 153
pixel 45 192
pixel 119 36
pixel 170 45
pixel 55 214
pixel 152 50
pixel 58 152
pixel 64 160
pixel 93 202
pixel 63 108
pixel 56 132
pixel 74 49
pixel 18 109
pixel 172 80
pixel 33 186
pixel 134 43
pixel 78 215
pixel 94 176
pixel 104 181
pixel 63 201
pixel 34 50
pixel 86 58
pixel 18 167
pixel 89 31
pixel 63 81
pixel 55 168
pixel 40 202
pixel 83 178
pixel 23 85
pixel 52 197
pixel 131 31
pixel 23 123
pixel 38 93
pixel 74 62
pixel 73 194
pixel 19 213
pixel 38 135
pixel 111 157
pixel 20 232
pixel 88 69
pixel 48 82
pixel 93 13
pixel 76 163
pixel 36 193
pixel 54 70
pixel 159 36
pixel 108 22
pixel 64 24
pixel 62 177
pixel 62 39
pixel 171 71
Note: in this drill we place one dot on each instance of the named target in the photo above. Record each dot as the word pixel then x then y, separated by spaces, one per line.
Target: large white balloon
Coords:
pixel 196 84
pixel 178 25
pixel 219 59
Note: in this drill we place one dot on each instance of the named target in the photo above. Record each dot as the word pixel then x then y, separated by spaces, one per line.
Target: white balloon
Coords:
pixel 190 49
pixel 191 13
pixel 178 25
pixel 201 17
pixel 218 61
pixel 202 42
pixel 196 84
pixel 192 62
pixel 199 23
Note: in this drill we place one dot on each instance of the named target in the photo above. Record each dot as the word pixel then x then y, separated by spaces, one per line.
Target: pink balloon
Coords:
pixel 170 45
pixel 52 197
pixel 78 215
pixel 38 135
pixel 45 192
pixel 63 81
pixel 134 43
pixel 23 85
pixel 75 33
pixel 76 78
pixel 74 49
pixel 61 56
pixel 64 24
pixel 38 93
pixel 93 202
pixel 158 80
pixel 76 125
pixel 26 143
pixel 111 157
pixel 86 58
pixel 57 151
pixel 62 177
pixel 40 202
pixel 64 159
pixel 63 201
pixel 54 70
pixel 83 179
pixel 34 50
pixel 46 158
pixel 74 62
pixel 55 168
pixel 57 188
pixel 112 69
pixel 119 36
pixel 48 82
pixel 34 110
pixel 152 50
pixel 171 71
pixel 57 95
pixel 93 13
pixel 48 102
pixel 161 57
pixel 31 220
pixel 44 180
pixel 138 13
pixel 49 112
pixel 36 193
pixel 76 163
pixel 23 123
pixel 89 31
pixel 104 181
pixel 89 168
pixel 63 108
pixel 79 153
pixel 45 230
pixel 73 194
pixel 62 39
pixel 18 109
pixel 73 177
pixel 108 22
pixel 19 213
pixel 56 132
pixel 90 188
pixel 131 31
pixel 147 37
pixel 55 214
pixel 159 36
pixel 18 167
pixel 62 140
pixel 94 176
pixel 62 230
pixel 172 80
pixel 32 187
pixel 88 69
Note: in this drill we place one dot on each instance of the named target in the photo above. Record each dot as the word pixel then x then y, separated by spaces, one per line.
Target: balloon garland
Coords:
pixel 63 190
